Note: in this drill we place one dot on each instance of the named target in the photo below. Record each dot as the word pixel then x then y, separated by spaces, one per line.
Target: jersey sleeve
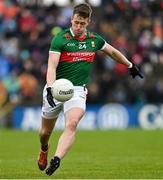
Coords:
pixel 101 42
pixel 56 44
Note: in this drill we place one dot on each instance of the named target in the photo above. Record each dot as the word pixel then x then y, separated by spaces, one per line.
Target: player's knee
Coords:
pixel 72 125
pixel 44 132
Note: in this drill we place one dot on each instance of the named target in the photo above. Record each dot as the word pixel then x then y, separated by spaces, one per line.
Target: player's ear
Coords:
pixel 89 20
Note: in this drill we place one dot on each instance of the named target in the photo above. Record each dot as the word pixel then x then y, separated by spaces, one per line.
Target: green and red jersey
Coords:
pixel 77 55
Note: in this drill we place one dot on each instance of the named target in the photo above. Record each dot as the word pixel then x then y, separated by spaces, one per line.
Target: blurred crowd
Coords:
pixel 134 27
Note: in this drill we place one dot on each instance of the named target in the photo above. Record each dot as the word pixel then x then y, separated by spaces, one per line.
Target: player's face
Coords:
pixel 79 25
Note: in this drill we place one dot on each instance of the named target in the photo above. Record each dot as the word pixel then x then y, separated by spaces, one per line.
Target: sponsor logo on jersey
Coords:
pixel 80 53
pixel 71 44
pixel 93 43
pixel 77 56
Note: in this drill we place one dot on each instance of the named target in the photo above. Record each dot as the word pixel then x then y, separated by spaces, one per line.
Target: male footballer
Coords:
pixel 71 56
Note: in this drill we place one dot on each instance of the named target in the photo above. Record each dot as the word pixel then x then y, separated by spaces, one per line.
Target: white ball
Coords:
pixel 62 90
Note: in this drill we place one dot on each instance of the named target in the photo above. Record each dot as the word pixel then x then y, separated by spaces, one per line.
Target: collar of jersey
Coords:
pixel 82 38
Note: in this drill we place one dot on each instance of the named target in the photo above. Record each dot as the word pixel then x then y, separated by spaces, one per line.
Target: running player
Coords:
pixel 71 56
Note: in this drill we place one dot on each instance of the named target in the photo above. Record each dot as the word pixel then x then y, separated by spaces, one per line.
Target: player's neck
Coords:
pixel 82 36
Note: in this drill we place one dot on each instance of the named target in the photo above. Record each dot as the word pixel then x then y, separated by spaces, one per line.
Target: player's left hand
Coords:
pixel 135 71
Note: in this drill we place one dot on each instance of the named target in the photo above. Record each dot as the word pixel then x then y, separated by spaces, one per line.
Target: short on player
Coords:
pixel 62 90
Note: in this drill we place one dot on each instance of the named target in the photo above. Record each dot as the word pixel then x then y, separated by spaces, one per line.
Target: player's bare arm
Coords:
pixel 51 75
pixel 120 58
pixel 116 55
pixel 52 65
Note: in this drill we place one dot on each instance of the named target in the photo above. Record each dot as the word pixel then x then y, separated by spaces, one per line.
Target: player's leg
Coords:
pixel 45 131
pixel 49 117
pixel 74 110
pixel 72 118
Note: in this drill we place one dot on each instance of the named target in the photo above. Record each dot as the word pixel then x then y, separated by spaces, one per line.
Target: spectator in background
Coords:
pixel 133 27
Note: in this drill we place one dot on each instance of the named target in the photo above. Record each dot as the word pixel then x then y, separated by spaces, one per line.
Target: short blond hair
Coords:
pixel 84 10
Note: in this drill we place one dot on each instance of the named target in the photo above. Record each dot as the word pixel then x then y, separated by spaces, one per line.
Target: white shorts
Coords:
pixel 77 101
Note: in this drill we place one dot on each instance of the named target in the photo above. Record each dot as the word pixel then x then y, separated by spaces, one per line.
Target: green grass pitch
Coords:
pixel 125 154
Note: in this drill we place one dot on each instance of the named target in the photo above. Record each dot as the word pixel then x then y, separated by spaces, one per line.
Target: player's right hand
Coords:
pixel 50 97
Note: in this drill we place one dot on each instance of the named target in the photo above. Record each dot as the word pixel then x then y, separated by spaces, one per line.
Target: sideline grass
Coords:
pixel 127 154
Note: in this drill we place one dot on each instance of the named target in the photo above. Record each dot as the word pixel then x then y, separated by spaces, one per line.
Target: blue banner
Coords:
pixel 107 116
